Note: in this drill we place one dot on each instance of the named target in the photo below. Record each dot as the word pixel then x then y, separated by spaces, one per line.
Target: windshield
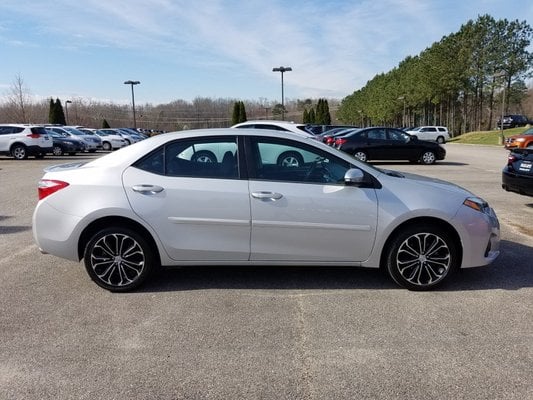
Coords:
pixel 74 131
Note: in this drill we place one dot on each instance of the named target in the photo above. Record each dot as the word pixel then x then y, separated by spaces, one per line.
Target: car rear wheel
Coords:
pixel 204 156
pixel 57 151
pixel 107 146
pixel 361 155
pixel 290 159
pixel 19 152
pixel 441 140
pixel 421 257
pixel 428 157
pixel 118 259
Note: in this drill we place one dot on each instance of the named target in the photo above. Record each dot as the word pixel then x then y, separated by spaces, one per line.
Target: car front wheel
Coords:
pixel 118 259
pixel 421 257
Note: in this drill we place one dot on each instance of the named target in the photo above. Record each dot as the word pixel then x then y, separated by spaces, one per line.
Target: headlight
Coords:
pixel 477 204
pixel 520 139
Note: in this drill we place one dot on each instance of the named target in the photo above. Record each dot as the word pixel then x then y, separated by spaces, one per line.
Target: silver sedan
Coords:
pixel 158 203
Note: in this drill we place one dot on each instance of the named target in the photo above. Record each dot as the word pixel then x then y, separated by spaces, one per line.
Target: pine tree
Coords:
pixel 51 113
pixel 105 124
pixel 305 117
pixel 312 116
pixel 235 118
pixel 242 112
pixel 60 115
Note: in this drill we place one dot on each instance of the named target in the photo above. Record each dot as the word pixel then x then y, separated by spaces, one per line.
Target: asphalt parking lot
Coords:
pixel 268 333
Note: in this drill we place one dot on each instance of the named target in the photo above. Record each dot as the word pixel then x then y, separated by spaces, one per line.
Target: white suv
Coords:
pixel 21 141
pixel 438 134
pixel 275 126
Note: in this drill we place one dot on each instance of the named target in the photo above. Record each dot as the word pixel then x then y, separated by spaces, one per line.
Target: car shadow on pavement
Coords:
pixel 513 270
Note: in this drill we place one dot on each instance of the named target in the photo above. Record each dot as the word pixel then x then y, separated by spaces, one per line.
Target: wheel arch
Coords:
pixel 12 145
pixel 123 222
pixel 436 222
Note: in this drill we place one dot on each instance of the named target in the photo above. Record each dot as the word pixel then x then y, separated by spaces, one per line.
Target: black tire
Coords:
pixel 290 159
pixel 19 152
pixel 441 140
pixel 421 257
pixel 92 151
pixel 428 157
pixel 118 259
pixel 72 153
pixel 204 156
pixel 40 156
pixel 57 151
pixel 361 155
pixel 107 146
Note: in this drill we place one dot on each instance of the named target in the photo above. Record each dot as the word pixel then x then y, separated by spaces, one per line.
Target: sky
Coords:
pixel 179 49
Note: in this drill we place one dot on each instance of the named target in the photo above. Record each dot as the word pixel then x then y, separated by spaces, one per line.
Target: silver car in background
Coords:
pixel 109 141
pixel 92 142
pixel 157 203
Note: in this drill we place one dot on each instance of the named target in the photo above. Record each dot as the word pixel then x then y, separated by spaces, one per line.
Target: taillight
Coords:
pixel 34 136
pixel 48 186
pixel 511 159
pixel 340 142
pixel 329 139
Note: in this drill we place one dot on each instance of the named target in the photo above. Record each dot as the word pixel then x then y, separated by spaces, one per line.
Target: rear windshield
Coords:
pixel 39 131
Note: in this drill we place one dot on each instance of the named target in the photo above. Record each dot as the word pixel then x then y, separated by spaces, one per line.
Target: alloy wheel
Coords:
pixel 117 260
pixel 423 259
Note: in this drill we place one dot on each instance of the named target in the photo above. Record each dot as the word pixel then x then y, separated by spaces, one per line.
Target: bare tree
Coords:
pixel 19 101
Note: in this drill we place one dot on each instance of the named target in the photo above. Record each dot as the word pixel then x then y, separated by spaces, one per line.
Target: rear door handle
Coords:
pixel 147 189
pixel 267 195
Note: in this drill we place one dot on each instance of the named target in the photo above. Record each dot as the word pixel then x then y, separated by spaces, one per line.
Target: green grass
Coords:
pixel 486 137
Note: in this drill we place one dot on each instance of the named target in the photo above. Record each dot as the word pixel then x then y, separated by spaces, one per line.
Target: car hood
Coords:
pixel 420 182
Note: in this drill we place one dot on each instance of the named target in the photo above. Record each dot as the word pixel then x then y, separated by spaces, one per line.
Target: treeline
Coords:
pixel 464 81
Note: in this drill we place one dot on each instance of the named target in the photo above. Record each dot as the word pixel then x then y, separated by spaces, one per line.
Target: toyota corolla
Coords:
pixel 156 204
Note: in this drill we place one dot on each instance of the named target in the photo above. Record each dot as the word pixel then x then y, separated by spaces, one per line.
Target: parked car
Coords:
pixel 525 139
pixel 128 137
pixel 65 144
pixel 517 175
pixel 379 143
pixel 152 204
pixel 330 136
pixel 109 141
pixel 284 126
pixel 92 142
pixel 512 121
pixel 438 134
pixel 20 141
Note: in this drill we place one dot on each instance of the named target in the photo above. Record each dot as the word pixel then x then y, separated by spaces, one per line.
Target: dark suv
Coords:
pixel 513 120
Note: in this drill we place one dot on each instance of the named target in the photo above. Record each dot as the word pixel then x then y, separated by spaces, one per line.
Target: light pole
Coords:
pixel 66 109
pixel 132 83
pixel 282 70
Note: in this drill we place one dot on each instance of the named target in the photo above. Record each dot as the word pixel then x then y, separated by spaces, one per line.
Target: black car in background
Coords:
pixel 65 144
pixel 517 175
pixel 379 143
pixel 513 120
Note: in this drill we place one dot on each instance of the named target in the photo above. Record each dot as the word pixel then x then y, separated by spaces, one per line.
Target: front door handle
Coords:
pixel 147 189
pixel 267 195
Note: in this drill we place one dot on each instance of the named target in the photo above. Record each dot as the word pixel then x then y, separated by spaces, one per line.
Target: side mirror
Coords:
pixel 353 176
